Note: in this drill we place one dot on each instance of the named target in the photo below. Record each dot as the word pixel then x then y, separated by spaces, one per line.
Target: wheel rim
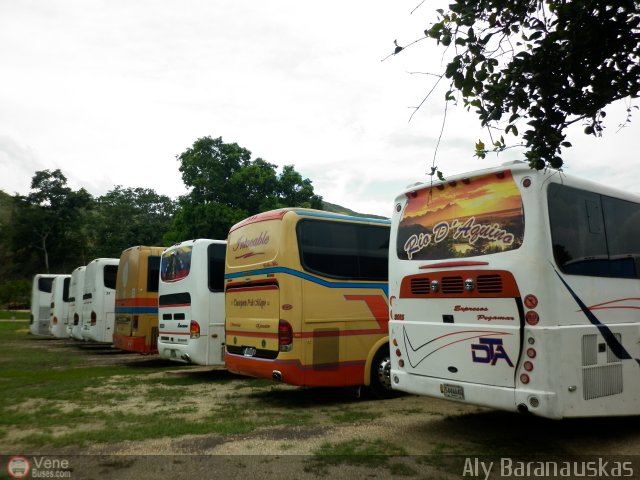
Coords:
pixel 384 373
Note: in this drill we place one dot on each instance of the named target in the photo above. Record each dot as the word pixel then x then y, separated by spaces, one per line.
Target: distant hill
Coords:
pixel 332 207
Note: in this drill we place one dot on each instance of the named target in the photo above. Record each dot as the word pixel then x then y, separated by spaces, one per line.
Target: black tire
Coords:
pixel 380 382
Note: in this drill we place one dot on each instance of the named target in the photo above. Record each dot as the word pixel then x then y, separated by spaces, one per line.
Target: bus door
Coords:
pixel 462 317
pixel 252 308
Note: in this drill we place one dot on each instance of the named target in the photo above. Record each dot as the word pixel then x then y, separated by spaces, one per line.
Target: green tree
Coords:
pixel 226 186
pixel 545 63
pixel 46 222
pixel 125 217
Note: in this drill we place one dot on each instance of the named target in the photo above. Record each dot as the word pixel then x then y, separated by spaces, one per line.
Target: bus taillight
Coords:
pixel 55 320
pixel 94 318
pixel 532 317
pixel 194 329
pixel 285 336
pixel 76 319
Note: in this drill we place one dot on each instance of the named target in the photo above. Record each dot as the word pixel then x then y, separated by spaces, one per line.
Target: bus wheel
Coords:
pixel 380 384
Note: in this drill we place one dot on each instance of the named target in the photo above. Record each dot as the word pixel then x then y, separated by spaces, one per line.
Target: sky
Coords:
pixel 112 91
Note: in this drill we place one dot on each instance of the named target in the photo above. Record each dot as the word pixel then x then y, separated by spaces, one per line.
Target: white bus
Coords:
pixel 59 306
pixel 98 300
pixel 191 302
pixel 74 326
pixel 519 290
pixel 40 304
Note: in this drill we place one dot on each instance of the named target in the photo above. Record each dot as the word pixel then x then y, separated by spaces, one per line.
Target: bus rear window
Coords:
pixel 45 284
pixel 175 264
pixel 110 274
pixel 475 216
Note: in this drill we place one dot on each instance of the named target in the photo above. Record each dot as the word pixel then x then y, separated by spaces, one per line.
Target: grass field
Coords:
pixel 58 395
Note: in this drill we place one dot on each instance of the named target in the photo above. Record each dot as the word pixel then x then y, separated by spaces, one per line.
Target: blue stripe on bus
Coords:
pixel 380 221
pixel 136 310
pixel 614 344
pixel 305 276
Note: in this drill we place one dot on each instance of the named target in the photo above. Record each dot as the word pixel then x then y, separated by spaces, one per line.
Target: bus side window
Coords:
pixel 216 255
pixel 153 273
pixel 594 235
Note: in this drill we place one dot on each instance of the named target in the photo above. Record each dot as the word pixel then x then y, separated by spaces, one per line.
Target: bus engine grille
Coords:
pixel 489 283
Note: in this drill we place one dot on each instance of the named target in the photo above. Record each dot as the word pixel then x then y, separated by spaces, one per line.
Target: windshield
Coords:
pixel 474 216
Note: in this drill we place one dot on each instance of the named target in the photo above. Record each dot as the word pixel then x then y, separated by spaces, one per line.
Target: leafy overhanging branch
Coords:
pixel 547 63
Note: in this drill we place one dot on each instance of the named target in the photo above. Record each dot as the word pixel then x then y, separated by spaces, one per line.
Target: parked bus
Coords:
pixel 76 290
pixel 98 300
pixel 137 300
pixel 517 289
pixel 191 302
pixel 306 299
pixel 59 306
pixel 40 304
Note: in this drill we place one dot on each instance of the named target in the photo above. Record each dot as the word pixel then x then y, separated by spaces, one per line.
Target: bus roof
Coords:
pixel 522 168
pixel 306 212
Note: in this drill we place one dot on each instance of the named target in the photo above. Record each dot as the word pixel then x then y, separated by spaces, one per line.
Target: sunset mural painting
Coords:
pixel 482 214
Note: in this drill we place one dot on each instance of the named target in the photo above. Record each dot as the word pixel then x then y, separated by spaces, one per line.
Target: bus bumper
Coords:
pixel 293 372
pixel 539 403
pixel 133 344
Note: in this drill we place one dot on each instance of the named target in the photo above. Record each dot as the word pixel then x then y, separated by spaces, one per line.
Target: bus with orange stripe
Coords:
pixel 191 302
pixel 136 304
pixel 517 289
pixel 306 299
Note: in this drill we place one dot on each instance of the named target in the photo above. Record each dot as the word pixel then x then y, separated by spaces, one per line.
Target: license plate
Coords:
pixel 249 352
pixel 455 392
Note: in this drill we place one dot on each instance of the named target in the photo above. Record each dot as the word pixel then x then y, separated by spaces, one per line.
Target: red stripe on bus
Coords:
pixel 252 334
pixel 254 288
pixel 460 263
pixel 162 332
pixel 137 302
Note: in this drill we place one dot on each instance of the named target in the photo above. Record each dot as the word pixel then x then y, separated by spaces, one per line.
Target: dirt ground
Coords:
pixel 439 439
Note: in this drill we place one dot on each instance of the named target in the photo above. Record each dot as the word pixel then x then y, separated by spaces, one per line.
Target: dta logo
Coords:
pixel 489 350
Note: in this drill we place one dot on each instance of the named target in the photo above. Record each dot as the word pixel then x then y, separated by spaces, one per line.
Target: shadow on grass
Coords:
pixel 507 433
pixel 307 396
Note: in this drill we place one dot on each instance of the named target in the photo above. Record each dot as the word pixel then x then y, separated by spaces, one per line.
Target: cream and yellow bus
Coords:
pixel 519 290
pixel 306 299
pixel 136 306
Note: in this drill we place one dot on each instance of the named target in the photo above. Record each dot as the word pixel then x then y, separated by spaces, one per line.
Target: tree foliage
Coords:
pixel 548 63
pixel 125 217
pixel 55 229
pixel 41 220
pixel 227 185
